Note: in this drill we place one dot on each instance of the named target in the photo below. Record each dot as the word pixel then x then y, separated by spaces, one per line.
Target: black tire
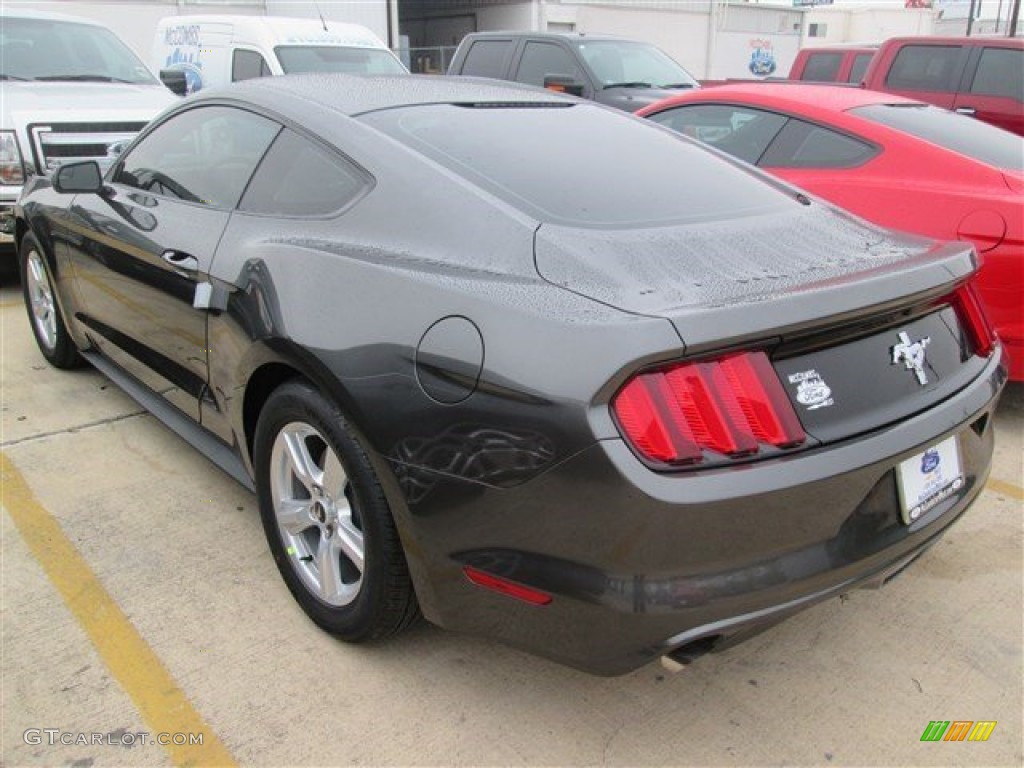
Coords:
pixel 44 315
pixel 358 606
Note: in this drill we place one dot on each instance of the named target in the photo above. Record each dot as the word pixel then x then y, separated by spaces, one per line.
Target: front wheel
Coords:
pixel 327 520
pixel 44 313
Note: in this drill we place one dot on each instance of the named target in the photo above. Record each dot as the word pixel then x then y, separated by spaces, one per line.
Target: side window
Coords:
pixel 542 59
pixel 300 178
pixel 246 65
pixel 805 145
pixel 741 131
pixel 487 58
pixel 925 68
pixel 1000 73
pixel 822 67
pixel 205 155
pixel 860 66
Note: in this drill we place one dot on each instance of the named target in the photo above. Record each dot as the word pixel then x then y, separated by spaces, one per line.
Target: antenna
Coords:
pixel 320 14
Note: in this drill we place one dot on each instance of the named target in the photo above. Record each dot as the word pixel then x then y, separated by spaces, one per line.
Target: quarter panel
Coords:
pixel 347 310
pixel 360 311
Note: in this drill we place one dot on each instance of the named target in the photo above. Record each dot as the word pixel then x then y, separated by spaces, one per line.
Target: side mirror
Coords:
pixel 175 81
pixel 563 84
pixel 81 177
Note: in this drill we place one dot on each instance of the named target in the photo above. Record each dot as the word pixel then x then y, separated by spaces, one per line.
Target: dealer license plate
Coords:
pixel 929 478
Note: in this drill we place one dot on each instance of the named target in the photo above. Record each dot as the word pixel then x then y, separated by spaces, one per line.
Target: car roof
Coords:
pixel 976 40
pixel 357 94
pixel 798 95
pixel 580 36
pixel 843 48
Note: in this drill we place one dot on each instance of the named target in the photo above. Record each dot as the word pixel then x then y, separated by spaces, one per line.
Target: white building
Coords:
pixel 714 39
pixel 872 21
pixel 711 38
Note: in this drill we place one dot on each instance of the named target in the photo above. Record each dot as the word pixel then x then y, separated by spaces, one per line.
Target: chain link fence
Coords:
pixel 427 61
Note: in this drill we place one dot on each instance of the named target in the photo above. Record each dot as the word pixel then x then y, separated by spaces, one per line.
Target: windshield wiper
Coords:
pixel 671 86
pixel 85 78
pixel 12 77
pixel 631 84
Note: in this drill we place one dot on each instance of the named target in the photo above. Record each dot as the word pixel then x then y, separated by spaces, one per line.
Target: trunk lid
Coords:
pixel 852 316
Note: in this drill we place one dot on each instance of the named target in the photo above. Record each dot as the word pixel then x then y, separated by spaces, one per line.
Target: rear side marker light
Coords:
pixel 732 406
pixel 506 587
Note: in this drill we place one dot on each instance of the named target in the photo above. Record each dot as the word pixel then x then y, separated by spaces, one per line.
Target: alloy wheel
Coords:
pixel 40 297
pixel 314 506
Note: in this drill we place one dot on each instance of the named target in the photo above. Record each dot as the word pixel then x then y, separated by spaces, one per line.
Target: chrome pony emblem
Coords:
pixel 911 354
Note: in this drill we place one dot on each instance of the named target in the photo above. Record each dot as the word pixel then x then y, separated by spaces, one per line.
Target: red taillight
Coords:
pixel 967 306
pixel 732 406
pixel 506 587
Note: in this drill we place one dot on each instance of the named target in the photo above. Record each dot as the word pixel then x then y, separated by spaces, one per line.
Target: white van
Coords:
pixel 217 50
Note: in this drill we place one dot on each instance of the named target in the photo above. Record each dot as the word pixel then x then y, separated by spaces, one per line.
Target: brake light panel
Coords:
pixel 707 412
pixel 735 407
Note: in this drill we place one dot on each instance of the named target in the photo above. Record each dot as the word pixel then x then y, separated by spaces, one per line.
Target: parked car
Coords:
pixel 832 64
pixel 899 163
pixel 212 51
pixel 584 395
pixel 71 90
pixel 626 74
pixel 981 77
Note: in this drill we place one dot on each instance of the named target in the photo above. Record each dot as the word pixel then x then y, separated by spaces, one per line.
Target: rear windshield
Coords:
pixel 581 165
pixel 336 58
pixel 965 135
pixel 822 67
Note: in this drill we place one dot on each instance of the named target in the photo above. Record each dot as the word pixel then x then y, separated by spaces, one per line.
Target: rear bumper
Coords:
pixel 1014 347
pixel 641 564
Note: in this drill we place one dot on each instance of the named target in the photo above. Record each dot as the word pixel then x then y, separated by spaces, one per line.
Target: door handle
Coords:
pixel 182 261
pixel 969 111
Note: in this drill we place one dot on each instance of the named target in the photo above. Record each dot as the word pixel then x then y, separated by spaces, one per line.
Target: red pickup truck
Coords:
pixel 839 64
pixel 978 76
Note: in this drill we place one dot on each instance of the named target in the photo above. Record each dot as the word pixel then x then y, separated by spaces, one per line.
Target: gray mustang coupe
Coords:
pixel 527 366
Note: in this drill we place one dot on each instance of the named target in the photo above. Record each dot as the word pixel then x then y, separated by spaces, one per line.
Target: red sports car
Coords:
pixel 899 163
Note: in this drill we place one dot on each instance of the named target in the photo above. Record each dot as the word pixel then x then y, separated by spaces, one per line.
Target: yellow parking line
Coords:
pixel 1007 489
pixel 162 703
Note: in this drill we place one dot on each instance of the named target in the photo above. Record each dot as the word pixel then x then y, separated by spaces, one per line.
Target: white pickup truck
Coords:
pixel 69 89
